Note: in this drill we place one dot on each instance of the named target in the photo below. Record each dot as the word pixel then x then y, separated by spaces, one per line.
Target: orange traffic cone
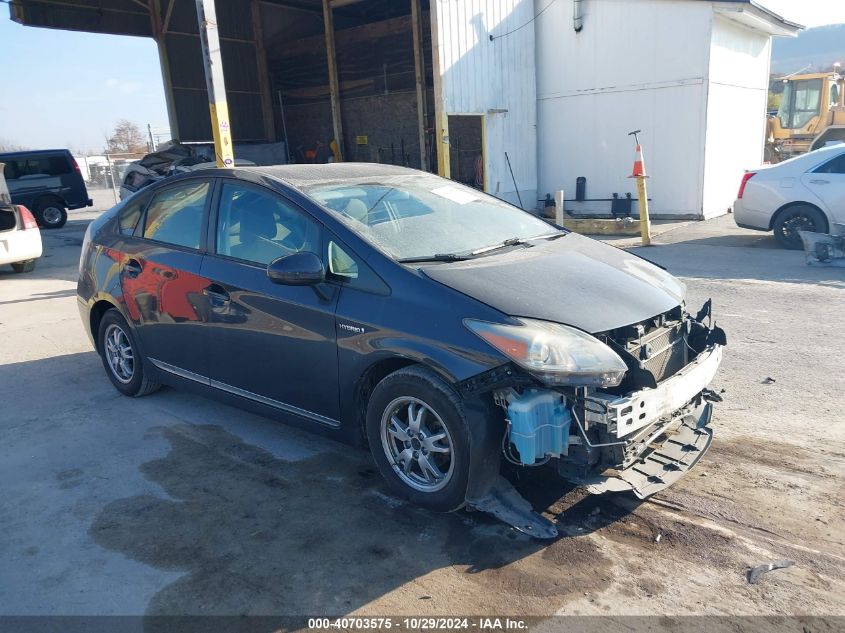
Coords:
pixel 639 165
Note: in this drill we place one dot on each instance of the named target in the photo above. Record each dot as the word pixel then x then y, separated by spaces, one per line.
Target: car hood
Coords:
pixel 571 280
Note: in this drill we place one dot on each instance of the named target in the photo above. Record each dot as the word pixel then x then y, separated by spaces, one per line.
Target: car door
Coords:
pixel 270 343
pixel 160 275
pixel 827 181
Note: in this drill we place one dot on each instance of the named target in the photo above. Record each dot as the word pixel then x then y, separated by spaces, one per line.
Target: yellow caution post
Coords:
pixel 642 192
pixel 214 81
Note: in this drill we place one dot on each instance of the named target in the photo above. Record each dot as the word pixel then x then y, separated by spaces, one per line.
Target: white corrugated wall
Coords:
pixel 637 64
pixel 496 79
pixel 736 125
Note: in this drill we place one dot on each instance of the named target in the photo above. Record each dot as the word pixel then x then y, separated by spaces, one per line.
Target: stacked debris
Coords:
pixel 174 158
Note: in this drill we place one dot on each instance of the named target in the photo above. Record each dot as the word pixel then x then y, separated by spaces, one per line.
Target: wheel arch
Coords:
pixel 95 316
pixel 378 371
pixel 799 203
pixel 48 197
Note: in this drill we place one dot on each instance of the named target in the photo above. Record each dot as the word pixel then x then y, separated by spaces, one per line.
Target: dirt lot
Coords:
pixel 175 504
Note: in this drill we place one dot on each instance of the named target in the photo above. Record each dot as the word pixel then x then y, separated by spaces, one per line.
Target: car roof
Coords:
pixel 301 176
pixel 817 156
pixel 35 152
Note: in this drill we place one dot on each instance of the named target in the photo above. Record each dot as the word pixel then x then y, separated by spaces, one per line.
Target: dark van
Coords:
pixel 48 182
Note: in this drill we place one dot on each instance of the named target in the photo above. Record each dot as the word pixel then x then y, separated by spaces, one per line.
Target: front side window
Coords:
pixel 413 216
pixel 175 214
pixel 258 226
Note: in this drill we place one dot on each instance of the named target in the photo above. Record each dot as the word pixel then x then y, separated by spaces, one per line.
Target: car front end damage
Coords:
pixel 640 432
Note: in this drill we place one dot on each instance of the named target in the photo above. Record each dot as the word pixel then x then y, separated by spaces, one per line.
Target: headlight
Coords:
pixel 556 354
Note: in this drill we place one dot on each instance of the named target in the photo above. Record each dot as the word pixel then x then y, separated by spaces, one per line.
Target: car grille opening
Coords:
pixel 663 351
pixel 659 344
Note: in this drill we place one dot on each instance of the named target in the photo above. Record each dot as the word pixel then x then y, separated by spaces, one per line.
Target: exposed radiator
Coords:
pixel 663 351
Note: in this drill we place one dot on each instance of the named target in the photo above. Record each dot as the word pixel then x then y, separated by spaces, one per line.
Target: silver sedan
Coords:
pixel 806 193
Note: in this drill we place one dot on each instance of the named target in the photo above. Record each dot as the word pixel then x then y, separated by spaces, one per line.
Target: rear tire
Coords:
pixel 419 438
pixel 24 267
pixel 50 214
pixel 121 357
pixel 800 217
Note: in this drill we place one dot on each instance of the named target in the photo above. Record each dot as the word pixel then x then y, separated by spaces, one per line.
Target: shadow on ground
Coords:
pixel 258 535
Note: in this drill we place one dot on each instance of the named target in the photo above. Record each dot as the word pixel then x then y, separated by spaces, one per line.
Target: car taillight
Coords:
pixel 745 178
pixel 27 218
pixel 75 165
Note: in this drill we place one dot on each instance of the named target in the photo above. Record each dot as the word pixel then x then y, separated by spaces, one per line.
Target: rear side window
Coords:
pixel 175 215
pixel 27 167
pixel 835 166
pixel 131 213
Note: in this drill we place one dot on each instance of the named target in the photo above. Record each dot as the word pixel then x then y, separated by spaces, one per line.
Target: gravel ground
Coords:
pixel 174 504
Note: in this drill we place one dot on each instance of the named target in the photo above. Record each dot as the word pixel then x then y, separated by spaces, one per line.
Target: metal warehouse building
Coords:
pixel 520 97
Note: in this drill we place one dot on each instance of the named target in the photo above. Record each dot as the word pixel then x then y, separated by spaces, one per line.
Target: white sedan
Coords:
pixel 805 193
pixel 20 239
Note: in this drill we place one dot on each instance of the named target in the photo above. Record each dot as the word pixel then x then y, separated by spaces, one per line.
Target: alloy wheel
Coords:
pixel 798 222
pixel 417 444
pixel 119 353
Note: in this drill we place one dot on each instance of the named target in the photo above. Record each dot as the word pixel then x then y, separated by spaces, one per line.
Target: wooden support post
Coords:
pixel 441 119
pixel 263 74
pixel 214 81
pixel 419 72
pixel 328 22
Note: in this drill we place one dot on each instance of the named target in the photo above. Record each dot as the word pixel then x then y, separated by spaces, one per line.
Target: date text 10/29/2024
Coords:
pixel 418 624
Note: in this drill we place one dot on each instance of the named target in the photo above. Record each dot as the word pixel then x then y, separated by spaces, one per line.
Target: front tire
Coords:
pixel 121 358
pixel 801 217
pixel 419 438
pixel 51 214
pixel 24 267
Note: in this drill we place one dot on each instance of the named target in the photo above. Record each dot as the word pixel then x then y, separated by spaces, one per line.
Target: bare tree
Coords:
pixel 8 146
pixel 126 139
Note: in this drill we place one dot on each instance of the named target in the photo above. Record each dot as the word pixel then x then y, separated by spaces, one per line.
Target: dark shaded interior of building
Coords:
pixel 276 66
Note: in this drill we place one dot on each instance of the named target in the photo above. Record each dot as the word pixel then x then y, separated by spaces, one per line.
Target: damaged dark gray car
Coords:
pixel 449 331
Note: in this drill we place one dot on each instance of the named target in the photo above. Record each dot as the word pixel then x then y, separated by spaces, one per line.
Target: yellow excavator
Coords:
pixel 811 114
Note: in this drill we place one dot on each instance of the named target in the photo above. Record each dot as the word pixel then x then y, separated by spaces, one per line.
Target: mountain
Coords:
pixel 817 48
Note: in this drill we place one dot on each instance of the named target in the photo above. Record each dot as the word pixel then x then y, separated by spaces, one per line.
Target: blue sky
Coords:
pixel 69 89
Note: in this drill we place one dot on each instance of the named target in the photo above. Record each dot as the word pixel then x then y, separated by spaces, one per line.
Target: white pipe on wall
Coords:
pixel 577 15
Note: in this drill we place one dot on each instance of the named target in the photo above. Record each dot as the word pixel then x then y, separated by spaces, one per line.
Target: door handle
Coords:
pixel 820 182
pixel 132 268
pixel 216 293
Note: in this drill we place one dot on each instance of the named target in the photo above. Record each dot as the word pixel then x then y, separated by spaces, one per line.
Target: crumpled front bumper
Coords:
pixel 664 430
pixel 631 412
pixel 669 456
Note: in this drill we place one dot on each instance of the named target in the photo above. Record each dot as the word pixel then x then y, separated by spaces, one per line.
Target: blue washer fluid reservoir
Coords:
pixel 539 425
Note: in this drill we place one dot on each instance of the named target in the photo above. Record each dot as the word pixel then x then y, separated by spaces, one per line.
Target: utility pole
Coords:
pixel 642 192
pixel 152 139
pixel 213 62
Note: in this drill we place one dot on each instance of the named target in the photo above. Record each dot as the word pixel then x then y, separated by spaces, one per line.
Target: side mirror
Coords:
pixel 298 269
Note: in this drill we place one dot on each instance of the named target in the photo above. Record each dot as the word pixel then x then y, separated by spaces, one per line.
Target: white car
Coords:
pixel 805 193
pixel 20 239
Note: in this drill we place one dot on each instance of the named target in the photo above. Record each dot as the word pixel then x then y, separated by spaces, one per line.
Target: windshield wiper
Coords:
pixel 437 257
pixel 515 241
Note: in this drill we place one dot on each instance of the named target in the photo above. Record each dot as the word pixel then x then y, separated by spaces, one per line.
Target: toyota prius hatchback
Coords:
pixel 448 331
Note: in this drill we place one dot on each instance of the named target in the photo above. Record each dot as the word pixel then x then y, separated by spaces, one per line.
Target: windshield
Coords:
pixel 420 216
